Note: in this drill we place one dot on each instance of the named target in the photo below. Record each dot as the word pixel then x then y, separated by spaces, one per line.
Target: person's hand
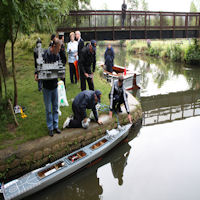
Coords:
pixel 130 118
pixel 86 75
pixel 85 120
pixel 92 76
pixel 36 77
pixel 110 114
pixel 100 122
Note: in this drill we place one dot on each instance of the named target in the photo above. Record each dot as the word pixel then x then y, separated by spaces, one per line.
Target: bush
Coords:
pixel 153 51
pixel 192 54
pixel 28 43
pixel 176 52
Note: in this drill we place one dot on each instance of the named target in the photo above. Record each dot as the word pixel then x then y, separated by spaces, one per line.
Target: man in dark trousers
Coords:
pixel 117 97
pixel 124 7
pixel 80 42
pixel 62 52
pixel 36 51
pixel 50 92
pixel 86 99
pixel 85 62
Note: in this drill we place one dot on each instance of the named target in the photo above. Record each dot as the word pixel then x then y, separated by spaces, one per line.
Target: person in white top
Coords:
pixel 72 50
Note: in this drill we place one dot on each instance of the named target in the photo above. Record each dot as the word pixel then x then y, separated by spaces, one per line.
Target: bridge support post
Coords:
pixel 174 24
pixel 160 25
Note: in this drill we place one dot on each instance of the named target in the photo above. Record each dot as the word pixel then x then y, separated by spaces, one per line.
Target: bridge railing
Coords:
pixel 138 20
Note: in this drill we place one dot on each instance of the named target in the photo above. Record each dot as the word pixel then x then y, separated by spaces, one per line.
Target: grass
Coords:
pixel 167 49
pixel 34 126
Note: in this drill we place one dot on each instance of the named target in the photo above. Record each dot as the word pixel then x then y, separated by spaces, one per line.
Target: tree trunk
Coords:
pixel 3 58
pixel 4 80
pixel 14 74
pixel 0 88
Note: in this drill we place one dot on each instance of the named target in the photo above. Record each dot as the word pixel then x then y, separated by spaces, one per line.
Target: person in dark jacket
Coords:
pixel 109 58
pixel 80 42
pixel 50 92
pixel 118 96
pixel 124 7
pixel 53 37
pixel 85 62
pixel 86 99
pixel 62 53
pixel 94 44
pixel 38 45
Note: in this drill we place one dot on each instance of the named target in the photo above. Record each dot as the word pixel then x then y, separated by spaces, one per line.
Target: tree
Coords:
pixel 133 4
pixel 144 5
pixel 193 7
pixel 26 16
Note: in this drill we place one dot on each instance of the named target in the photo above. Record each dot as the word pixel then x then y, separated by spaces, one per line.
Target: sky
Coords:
pixel 153 5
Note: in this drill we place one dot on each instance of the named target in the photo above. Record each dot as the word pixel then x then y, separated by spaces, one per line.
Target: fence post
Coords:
pixel 186 25
pixel 95 26
pixel 145 24
pixel 113 26
pixel 174 24
pixel 199 26
pixel 160 25
pixel 130 26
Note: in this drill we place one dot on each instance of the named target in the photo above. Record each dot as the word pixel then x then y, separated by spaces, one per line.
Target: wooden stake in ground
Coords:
pixel 13 113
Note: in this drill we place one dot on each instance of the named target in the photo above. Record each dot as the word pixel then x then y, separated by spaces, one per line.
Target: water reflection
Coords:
pixel 85 185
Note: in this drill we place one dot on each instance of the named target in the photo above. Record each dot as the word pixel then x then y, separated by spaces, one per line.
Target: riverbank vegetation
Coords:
pixel 34 126
pixel 186 50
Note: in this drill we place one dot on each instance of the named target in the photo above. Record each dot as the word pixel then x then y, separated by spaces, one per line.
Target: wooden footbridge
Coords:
pixel 107 24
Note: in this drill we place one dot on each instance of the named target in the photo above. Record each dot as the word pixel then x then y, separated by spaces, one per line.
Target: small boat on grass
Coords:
pixel 131 78
pixel 63 167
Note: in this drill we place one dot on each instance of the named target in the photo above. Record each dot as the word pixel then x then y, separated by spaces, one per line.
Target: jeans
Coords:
pixel 51 99
pixel 39 85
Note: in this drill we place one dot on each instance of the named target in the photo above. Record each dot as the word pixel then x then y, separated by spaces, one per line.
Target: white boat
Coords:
pixel 131 78
pixel 53 172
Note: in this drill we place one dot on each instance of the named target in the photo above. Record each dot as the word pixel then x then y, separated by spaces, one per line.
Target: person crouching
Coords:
pixel 86 99
pixel 117 97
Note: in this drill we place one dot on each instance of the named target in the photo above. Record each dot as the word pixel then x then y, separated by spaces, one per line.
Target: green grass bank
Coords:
pixel 185 50
pixel 34 126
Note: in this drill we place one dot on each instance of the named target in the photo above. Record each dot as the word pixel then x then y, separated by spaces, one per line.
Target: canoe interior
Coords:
pixel 51 169
pixel 77 156
pixel 98 144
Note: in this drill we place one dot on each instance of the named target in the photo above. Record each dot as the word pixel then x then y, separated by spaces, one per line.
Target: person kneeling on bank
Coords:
pixel 86 99
pixel 118 96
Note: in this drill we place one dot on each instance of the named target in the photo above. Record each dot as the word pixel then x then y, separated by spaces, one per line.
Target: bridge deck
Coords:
pixel 107 25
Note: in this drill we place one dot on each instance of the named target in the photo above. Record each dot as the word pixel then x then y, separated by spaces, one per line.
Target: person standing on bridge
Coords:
pixel 124 7
pixel 85 62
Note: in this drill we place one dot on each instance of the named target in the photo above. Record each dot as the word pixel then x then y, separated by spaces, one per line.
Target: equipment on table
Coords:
pixel 48 71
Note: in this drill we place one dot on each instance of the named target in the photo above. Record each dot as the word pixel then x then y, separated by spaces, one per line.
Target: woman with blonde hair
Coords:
pixel 72 50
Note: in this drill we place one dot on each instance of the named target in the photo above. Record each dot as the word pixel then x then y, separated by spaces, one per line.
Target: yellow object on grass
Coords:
pixel 23 115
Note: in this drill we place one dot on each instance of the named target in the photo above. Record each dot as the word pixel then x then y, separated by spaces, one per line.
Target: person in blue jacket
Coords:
pixel 86 99
pixel 109 58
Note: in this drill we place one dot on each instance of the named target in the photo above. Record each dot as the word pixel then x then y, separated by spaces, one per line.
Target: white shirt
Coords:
pixel 72 50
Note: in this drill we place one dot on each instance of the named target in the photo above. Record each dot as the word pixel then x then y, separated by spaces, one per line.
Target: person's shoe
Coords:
pixel 66 123
pixel 51 133
pixel 57 130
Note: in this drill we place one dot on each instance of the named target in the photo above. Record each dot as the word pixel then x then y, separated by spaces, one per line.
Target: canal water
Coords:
pixel 161 160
